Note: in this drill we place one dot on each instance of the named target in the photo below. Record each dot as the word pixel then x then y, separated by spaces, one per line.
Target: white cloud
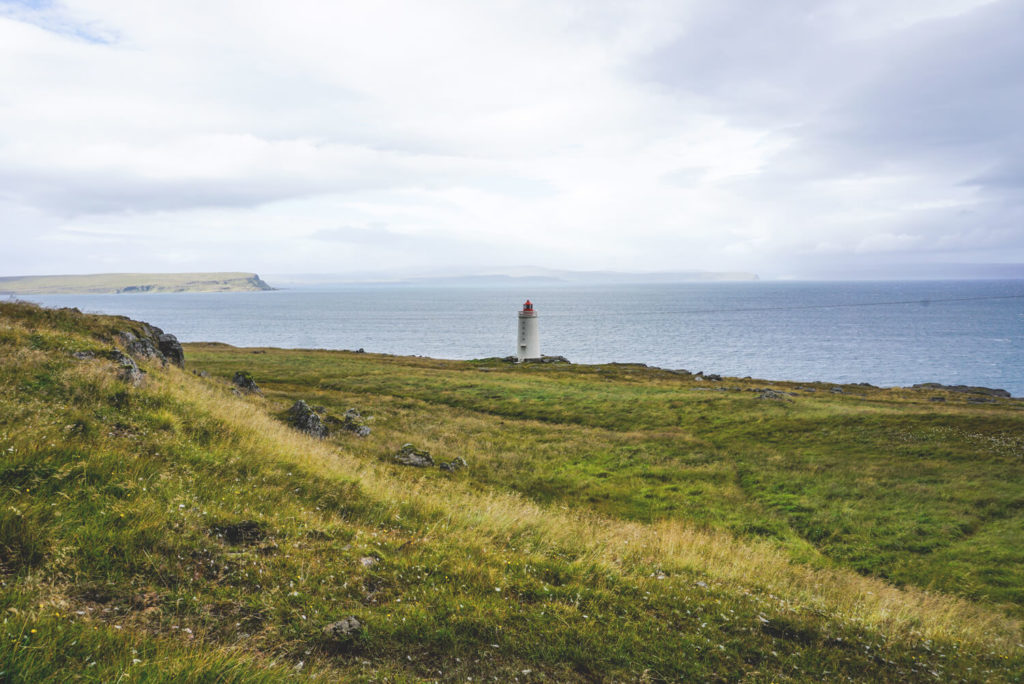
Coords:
pixel 642 136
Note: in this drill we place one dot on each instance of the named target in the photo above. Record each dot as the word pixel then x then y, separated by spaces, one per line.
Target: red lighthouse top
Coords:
pixel 528 306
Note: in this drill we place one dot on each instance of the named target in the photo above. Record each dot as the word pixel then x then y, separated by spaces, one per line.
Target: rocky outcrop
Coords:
pixel 127 370
pixel 457 463
pixel 548 359
pixel 411 456
pixel 143 343
pixel 701 375
pixel 421 458
pixel 353 422
pixel 150 342
pixel 772 394
pixel 966 389
pixel 141 347
pixel 243 381
pixel 304 418
pixel 171 349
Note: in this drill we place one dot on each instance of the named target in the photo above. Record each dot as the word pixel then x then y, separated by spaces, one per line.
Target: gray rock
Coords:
pixel 411 456
pixel 171 349
pixel 773 394
pixel 140 347
pixel 303 418
pixel 548 359
pixel 243 380
pixel 457 463
pixel 83 355
pixel 343 629
pixel 355 422
pixel 937 399
pixel 368 561
pixel 988 391
pixel 837 390
pixel 127 369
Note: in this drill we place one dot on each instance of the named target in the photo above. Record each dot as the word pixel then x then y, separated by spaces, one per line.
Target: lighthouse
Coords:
pixel 528 341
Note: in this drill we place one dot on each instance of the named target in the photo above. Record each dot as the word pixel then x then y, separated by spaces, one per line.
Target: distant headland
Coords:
pixel 132 283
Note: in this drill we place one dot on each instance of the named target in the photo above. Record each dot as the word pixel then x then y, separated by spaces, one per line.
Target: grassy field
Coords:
pixel 114 283
pixel 886 482
pixel 614 523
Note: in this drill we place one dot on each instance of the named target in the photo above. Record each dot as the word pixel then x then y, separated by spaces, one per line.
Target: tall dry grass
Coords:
pixel 624 547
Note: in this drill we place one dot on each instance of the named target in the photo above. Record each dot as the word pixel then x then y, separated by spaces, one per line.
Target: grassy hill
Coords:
pixel 125 283
pixel 614 522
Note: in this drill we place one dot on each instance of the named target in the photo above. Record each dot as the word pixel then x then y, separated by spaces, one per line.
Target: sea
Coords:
pixel 883 333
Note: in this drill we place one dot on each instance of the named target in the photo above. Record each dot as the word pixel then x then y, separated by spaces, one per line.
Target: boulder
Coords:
pixel 171 349
pixel 303 418
pixel 140 347
pixel 411 456
pixel 243 380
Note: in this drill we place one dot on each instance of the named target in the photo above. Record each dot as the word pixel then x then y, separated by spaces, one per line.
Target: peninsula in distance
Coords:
pixel 129 283
pixel 138 283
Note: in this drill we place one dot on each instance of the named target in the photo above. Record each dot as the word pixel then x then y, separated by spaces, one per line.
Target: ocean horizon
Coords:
pixel 895 333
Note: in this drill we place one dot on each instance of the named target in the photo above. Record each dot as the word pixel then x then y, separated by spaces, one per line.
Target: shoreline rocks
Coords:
pixel 964 389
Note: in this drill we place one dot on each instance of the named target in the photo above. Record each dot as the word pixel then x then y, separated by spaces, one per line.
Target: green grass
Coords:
pixel 613 524
pixel 885 482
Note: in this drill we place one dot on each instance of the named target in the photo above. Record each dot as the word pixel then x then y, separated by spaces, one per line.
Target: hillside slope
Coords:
pixel 917 486
pixel 132 283
pixel 166 529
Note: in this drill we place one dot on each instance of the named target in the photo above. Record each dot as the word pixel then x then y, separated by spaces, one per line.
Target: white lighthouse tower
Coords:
pixel 528 341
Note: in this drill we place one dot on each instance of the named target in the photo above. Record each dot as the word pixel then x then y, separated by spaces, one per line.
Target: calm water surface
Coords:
pixel 893 333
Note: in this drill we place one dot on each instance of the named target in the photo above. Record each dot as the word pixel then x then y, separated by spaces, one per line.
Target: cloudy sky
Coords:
pixel 782 137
